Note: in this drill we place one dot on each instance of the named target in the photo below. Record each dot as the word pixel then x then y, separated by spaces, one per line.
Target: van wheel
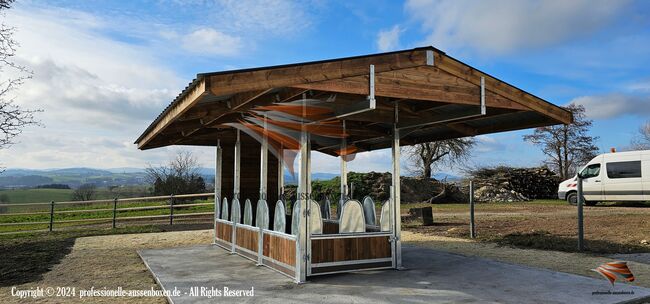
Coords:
pixel 572 198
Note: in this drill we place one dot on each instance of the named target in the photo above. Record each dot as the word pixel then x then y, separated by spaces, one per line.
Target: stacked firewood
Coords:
pixel 507 184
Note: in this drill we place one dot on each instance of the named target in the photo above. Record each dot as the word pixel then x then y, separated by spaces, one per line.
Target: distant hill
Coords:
pixel 125 176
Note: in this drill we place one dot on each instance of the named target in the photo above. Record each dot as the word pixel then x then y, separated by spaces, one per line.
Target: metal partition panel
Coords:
pixel 223 233
pixel 224 209
pixel 370 215
pixel 279 252
pixel 384 218
pixel 352 218
pixel 279 217
pixel 248 213
pixel 246 241
pixel 262 215
pixel 350 252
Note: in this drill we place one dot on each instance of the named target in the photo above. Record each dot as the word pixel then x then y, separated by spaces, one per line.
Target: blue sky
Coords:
pixel 104 69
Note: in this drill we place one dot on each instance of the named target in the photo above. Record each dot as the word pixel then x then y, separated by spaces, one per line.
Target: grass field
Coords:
pixel 97 213
pixel 60 195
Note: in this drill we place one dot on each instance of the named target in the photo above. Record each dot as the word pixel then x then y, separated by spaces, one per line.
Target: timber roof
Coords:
pixel 438 97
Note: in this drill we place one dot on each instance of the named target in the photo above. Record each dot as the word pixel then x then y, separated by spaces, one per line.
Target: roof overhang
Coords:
pixel 426 85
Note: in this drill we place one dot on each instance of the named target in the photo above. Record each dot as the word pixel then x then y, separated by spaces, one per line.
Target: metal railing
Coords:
pixel 170 204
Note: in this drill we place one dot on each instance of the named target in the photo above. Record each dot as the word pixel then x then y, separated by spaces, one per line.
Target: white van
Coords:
pixel 617 176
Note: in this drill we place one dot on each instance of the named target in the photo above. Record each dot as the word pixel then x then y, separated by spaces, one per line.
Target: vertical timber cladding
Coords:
pixel 350 249
pixel 250 174
pixel 282 250
pixel 224 231
pixel 247 239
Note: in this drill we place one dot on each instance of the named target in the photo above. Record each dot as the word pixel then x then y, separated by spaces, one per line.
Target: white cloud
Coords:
pixel 503 26
pixel 614 105
pixel 266 17
pixel 97 93
pixel 487 143
pixel 388 40
pixel 212 42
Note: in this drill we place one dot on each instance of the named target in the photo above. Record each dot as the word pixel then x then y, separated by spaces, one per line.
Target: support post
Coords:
pixel 397 220
pixel 237 172
pixel 217 186
pixel 264 160
pixel 304 193
pixel 235 192
pixel 114 212
pixel 280 173
pixel 344 177
pixel 171 209
pixel 472 228
pixel 581 199
pixel 51 215
pixel 260 247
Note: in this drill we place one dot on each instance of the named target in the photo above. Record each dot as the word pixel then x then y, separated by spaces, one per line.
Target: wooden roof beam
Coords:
pixel 230 83
pixel 465 72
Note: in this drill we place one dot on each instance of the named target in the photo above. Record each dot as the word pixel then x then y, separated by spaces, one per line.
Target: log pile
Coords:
pixel 507 184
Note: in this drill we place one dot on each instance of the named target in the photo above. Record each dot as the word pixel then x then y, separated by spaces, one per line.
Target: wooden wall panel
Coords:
pixel 224 232
pixel 280 249
pixel 250 172
pixel 330 227
pixel 349 249
pixel 247 238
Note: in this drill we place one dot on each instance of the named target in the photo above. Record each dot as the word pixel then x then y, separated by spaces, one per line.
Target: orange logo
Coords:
pixel 612 270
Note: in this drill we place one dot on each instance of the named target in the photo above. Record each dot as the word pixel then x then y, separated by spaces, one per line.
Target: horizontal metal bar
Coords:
pixel 247 227
pixel 290 267
pixel 349 235
pixel 348 271
pixel 280 234
pixel 285 274
pixel 351 262
pixel 223 221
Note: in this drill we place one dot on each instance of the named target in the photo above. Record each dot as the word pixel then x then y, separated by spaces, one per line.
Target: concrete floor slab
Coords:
pixel 431 277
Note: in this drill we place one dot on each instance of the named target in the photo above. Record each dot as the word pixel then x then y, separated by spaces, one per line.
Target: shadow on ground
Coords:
pixel 26 262
pixel 26 257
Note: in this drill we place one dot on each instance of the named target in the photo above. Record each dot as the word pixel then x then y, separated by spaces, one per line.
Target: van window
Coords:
pixel 628 169
pixel 591 171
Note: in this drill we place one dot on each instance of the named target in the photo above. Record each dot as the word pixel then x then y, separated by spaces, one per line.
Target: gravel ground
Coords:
pixel 111 262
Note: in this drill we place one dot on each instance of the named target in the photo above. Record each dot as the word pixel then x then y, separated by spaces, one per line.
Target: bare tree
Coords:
pixel 642 140
pixel 85 192
pixel 13 118
pixel 426 157
pixel 566 146
pixel 179 176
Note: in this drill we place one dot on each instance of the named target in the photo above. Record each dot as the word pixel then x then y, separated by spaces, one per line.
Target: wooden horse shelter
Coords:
pixel 263 120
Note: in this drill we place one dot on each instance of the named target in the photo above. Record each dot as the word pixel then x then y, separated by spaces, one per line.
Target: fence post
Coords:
pixel 581 199
pixel 171 209
pixel 114 211
pixel 51 215
pixel 472 227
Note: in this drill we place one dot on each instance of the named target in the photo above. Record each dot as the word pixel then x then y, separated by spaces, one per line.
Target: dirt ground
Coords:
pixel 608 229
pixel 111 261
